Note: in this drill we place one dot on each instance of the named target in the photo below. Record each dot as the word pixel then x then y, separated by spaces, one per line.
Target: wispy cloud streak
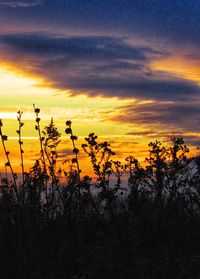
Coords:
pixel 21 4
pixel 96 65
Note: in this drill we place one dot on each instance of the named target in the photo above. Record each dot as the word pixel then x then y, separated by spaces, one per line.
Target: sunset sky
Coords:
pixel 127 70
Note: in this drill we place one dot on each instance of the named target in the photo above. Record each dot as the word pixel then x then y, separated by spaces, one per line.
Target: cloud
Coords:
pixel 169 22
pixel 95 65
pixel 112 67
pixel 157 117
pixel 192 140
pixel 81 47
pixel 167 134
pixel 21 4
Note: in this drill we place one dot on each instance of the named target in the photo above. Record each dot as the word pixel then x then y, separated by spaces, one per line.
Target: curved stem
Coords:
pixel 20 124
pixel 38 128
pixel 9 164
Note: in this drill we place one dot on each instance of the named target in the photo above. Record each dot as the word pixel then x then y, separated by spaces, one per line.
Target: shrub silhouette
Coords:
pixel 128 221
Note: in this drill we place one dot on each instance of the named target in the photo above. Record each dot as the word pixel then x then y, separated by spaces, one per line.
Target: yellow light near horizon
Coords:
pixel 178 66
pixel 7 115
pixel 18 80
pixel 10 79
pixel 13 82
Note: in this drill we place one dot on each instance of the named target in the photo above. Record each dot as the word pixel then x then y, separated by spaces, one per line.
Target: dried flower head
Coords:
pixel 68 123
pixel 74 160
pixel 37 110
pixel 4 137
pixel 68 131
pixel 76 150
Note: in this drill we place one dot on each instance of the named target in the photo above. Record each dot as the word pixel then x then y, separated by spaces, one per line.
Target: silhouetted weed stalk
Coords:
pixel 4 138
pixel 19 132
pixel 42 152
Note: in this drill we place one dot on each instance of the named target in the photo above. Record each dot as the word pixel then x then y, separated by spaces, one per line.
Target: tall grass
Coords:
pixel 132 221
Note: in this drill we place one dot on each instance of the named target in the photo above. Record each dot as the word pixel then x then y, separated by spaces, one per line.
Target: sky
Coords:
pixel 126 70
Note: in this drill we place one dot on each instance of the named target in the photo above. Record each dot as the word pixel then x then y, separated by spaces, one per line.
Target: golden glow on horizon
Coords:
pixel 180 66
pixel 8 77
pixel 13 82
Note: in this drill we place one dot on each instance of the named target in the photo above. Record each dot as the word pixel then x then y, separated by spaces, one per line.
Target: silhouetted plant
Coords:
pixel 136 176
pixel 75 149
pixel 8 163
pixel 73 189
pixel 42 152
pixel 100 155
pixel 177 166
pixel 50 143
pixel 156 168
pixel 81 227
pixel 20 125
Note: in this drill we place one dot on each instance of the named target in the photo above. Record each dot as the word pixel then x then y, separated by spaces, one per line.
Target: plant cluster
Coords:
pixel 132 220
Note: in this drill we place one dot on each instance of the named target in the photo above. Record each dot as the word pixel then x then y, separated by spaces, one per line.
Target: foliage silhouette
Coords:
pixel 132 221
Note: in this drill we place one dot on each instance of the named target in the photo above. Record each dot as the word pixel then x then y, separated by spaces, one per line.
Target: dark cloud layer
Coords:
pixel 174 116
pixel 193 140
pixel 176 21
pixel 96 65
pixel 93 47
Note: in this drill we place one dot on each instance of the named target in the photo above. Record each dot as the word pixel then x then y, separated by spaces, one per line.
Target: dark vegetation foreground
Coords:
pixel 56 223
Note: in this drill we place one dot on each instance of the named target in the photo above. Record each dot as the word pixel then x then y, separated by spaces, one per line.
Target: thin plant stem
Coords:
pixel 8 163
pixel 38 128
pixel 20 125
pixel 75 150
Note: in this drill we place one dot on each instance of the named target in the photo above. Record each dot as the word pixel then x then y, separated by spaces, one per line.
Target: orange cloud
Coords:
pixel 180 66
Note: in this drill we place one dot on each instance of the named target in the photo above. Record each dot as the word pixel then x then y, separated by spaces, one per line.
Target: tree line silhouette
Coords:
pixel 129 221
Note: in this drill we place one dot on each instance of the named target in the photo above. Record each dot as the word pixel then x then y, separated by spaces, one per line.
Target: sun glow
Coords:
pixel 13 82
pixel 179 66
